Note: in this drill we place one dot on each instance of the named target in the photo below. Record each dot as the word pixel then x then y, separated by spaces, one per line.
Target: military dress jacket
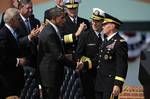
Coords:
pixel 112 64
pixel 88 47
pixel 68 33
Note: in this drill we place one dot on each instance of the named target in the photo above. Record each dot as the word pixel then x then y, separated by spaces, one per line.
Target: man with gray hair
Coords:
pixel 11 71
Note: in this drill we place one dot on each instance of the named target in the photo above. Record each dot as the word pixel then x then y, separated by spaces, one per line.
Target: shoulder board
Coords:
pixel 122 40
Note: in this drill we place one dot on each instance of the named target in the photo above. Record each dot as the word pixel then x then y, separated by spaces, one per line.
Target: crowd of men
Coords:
pixel 93 49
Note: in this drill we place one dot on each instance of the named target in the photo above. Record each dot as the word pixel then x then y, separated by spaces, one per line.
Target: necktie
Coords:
pixel 74 20
pixel 28 25
pixel 105 39
pixel 15 35
pixel 99 37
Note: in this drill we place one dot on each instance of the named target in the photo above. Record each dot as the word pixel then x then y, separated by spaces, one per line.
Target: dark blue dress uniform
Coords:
pixel 70 28
pixel 87 48
pixel 112 64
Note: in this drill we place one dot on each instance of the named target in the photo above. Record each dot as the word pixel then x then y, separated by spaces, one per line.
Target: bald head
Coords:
pixel 10 14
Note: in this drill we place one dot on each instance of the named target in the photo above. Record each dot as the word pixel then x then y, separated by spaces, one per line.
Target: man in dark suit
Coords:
pixel 87 49
pixel 11 71
pixel 51 59
pixel 144 72
pixel 28 33
pixel 112 64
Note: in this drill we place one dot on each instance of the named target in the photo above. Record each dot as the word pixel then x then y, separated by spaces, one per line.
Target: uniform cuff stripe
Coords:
pixel 68 38
pixel 86 59
pixel 119 78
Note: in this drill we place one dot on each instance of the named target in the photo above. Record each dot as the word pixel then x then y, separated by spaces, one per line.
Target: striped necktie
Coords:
pixel 28 25
pixel 15 35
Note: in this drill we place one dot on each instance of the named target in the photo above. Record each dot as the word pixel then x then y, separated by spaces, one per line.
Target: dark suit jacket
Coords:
pixel 51 58
pixel 28 49
pixel 112 64
pixel 12 76
pixel 71 28
pixel 144 70
pixel 2 20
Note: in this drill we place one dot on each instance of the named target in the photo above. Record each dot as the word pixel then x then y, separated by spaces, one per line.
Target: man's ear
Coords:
pixel 113 25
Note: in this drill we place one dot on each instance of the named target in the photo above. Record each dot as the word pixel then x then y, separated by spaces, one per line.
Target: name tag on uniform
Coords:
pixel 91 44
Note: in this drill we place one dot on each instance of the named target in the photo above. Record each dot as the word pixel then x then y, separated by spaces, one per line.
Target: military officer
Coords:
pixel 73 26
pixel 87 48
pixel 112 64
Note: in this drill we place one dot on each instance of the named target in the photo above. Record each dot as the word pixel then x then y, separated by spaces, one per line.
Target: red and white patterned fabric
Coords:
pixel 137 41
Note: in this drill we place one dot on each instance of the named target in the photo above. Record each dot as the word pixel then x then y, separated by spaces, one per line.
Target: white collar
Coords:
pixel 10 28
pixel 109 37
pixel 72 19
pixel 96 33
pixel 59 6
pixel 23 18
pixel 102 35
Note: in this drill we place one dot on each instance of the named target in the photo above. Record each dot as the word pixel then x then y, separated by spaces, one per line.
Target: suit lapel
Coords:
pixel 98 42
pixel 71 24
pixel 57 35
pixel 11 36
pixel 23 26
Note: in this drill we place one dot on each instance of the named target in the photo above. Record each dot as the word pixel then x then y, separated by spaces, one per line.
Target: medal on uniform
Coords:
pixel 106 57
pixel 110 57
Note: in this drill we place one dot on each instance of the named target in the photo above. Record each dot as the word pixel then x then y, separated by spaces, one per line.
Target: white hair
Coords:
pixel 10 13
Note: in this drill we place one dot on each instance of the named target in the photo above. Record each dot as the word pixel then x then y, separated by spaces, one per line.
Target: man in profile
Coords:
pixel 11 70
pixel 51 56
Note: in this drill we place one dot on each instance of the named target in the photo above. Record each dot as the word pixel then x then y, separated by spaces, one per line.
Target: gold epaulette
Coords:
pixel 86 59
